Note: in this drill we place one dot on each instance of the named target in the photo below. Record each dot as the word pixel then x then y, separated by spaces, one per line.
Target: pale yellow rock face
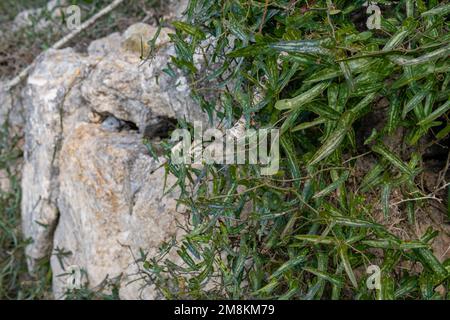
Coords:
pixel 138 36
pixel 49 88
pixel 112 204
pixel 89 188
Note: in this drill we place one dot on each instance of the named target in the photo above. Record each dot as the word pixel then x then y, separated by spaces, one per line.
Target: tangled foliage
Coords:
pixel 313 70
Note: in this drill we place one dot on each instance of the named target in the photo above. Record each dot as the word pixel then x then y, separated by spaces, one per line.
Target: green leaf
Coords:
pixel 354 222
pixel 429 57
pixel 316 239
pixel 301 46
pixel 438 11
pixel 392 158
pixel 386 291
pixel 347 266
pixel 333 186
pixel 323 275
pixel 435 114
pixel 432 263
pixel 302 99
pixel 189 29
pixel 289 265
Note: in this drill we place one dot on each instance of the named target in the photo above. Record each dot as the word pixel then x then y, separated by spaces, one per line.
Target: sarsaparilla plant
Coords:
pixel 361 112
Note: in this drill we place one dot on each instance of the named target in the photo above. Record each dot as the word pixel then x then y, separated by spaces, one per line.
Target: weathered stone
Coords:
pixel 102 47
pixel 134 91
pixel 176 8
pixel 112 204
pixel 89 186
pixel 46 93
pixel 137 37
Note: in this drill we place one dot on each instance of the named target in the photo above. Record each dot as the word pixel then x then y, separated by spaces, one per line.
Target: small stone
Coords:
pixel 112 124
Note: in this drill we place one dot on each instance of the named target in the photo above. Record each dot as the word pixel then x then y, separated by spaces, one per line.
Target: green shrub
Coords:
pixel 313 70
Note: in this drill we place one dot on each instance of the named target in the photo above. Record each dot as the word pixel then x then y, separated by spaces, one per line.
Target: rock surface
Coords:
pixel 92 195
pixel 112 204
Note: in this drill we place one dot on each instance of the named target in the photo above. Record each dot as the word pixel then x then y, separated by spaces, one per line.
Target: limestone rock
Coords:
pixel 89 186
pixel 102 47
pixel 133 91
pixel 47 91
pixel 112 204
pixel 138 35
pixel 176 8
